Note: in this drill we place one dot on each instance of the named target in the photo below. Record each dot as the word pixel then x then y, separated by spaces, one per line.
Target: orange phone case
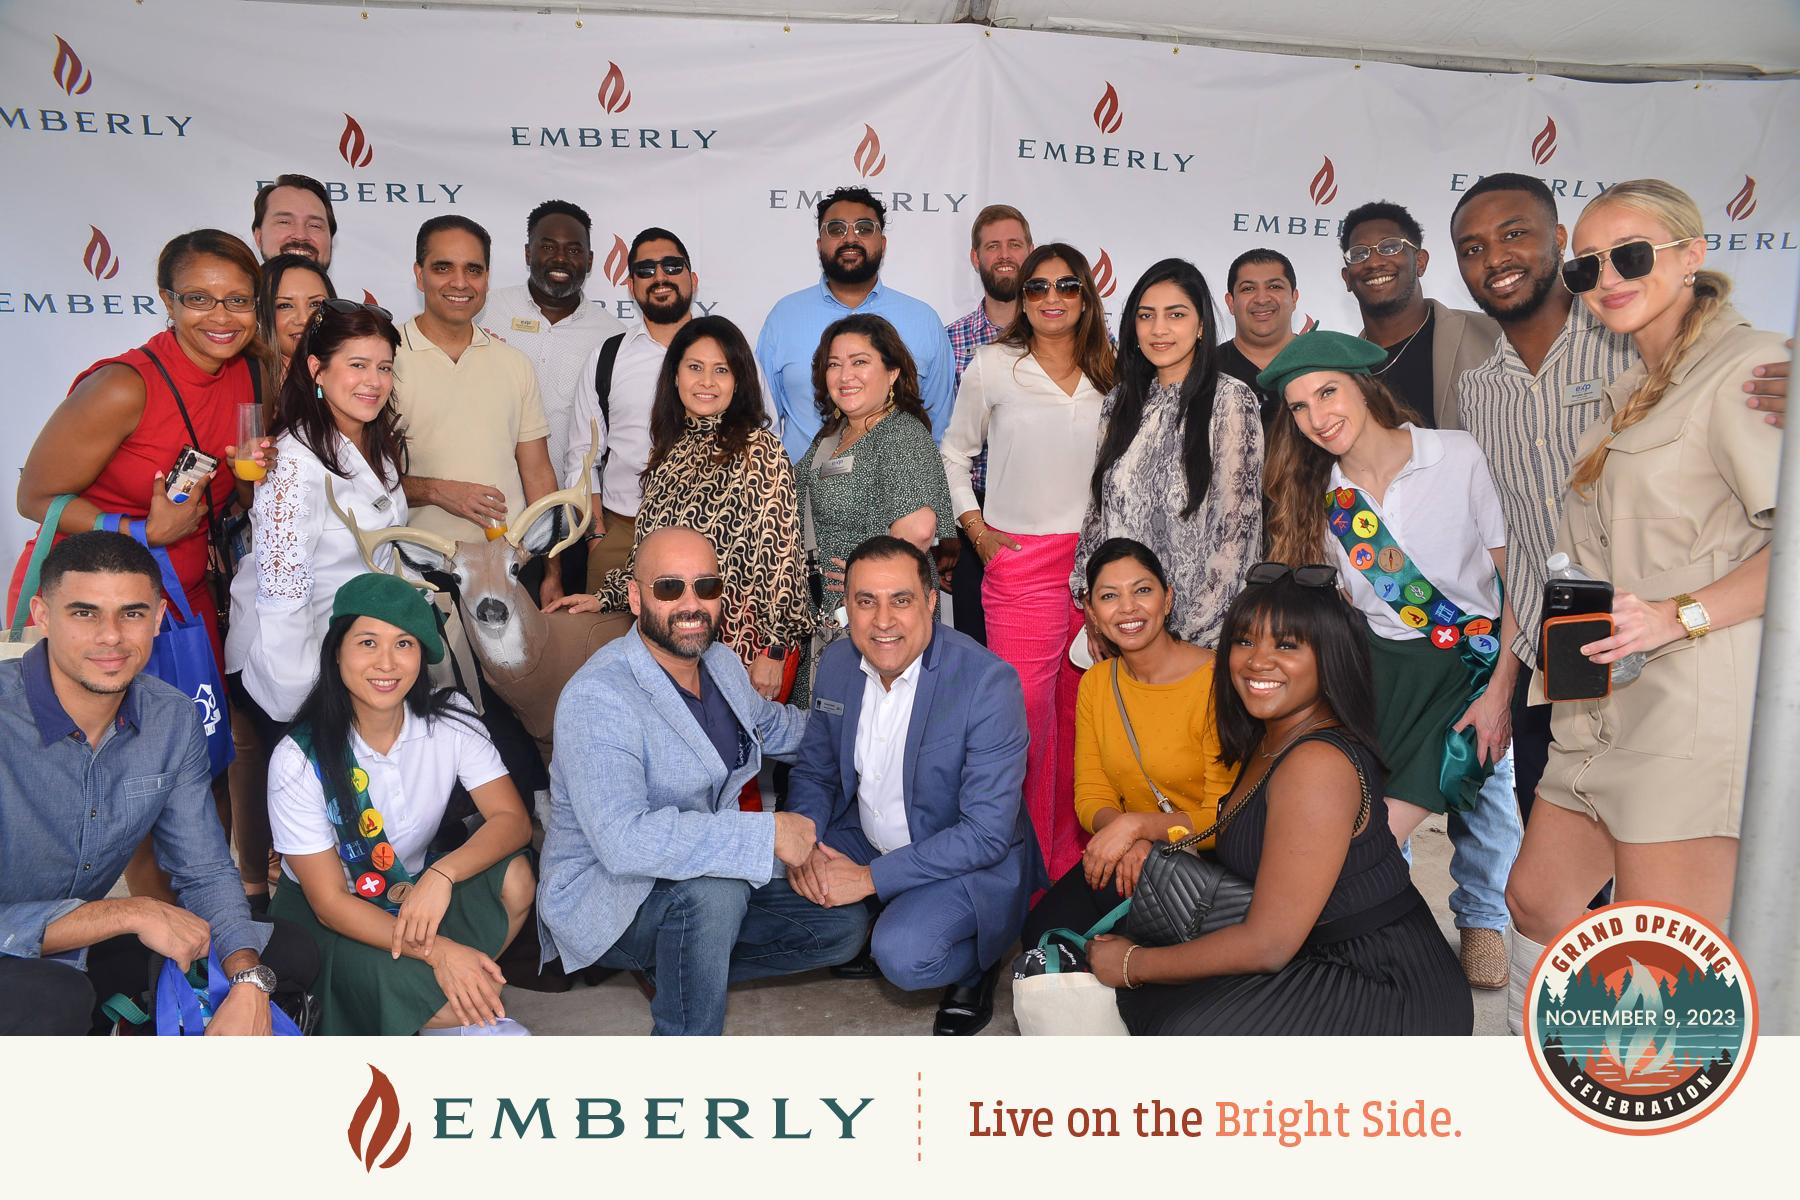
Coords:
pixel 1568 673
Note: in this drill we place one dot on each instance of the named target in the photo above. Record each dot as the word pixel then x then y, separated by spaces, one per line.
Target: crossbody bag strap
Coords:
pixel 1162 801
pixel 33 568
pixel 603 372
pixel 828 445
pixel 214 532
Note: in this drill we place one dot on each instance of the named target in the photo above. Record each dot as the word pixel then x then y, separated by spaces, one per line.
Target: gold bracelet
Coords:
pixel 1125 969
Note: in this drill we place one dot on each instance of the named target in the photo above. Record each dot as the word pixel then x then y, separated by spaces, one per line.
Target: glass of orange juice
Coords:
pixel 494 531
pixel 249 432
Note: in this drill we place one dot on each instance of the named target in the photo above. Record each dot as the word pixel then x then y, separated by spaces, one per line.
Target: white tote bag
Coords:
pixel 1055 995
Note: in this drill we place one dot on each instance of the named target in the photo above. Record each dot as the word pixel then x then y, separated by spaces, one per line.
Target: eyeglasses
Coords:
pixel 1386 247
pixel 668 588
pixel 204 302
pixel 1313 575
pixel 347 307
pixel 672 266
pixel 862 228
pixel 1632 260
pixel 1038 287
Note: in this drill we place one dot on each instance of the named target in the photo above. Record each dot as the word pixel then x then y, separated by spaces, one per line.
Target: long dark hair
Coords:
pixel 894 356
pixel 329 712
pixel 1093 349
pixel 1136 375
pixel 745 412
pixel 303 411
pixel 273 272
pixel 1313 616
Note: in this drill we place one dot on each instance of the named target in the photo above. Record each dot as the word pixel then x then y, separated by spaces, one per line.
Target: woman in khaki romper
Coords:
pixel 1675 499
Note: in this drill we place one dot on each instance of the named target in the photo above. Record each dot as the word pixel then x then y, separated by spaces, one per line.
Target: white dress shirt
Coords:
pixel 1041 443
pixel 281 595
pixel 625 434
pixel 881 757
pixel 557 352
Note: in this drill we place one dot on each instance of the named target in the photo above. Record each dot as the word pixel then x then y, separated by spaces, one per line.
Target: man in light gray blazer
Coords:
pixel 648 864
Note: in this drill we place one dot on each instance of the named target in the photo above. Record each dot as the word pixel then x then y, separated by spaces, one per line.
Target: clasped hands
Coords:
pixel 815 870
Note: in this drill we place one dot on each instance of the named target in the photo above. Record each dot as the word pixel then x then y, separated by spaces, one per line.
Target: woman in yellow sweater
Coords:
pixel 1128 797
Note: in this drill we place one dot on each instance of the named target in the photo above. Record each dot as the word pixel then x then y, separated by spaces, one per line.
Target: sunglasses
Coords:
pixel 1314 575
pixel 672 266
pixel 669 588
pixel 203 302
pixel 837 229
pixel 1386 247
pixel 348 307
pixel 1632 260
pixel 1038 287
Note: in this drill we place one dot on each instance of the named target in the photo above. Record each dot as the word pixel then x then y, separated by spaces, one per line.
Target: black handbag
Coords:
pixel 1183 893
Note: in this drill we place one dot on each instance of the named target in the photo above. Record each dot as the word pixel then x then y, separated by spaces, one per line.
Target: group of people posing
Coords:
pixel 1282 590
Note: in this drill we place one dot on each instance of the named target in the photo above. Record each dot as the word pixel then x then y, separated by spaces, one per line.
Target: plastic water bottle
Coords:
pixel 1627 669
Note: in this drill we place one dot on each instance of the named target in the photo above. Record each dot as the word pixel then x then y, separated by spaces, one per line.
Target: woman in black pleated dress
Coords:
pixel 1337 940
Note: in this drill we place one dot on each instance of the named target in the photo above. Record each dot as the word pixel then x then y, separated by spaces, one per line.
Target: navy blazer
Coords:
pixel 965 776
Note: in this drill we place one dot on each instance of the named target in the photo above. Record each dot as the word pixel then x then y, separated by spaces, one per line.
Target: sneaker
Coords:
pixel 504 1027
pixel 1484 958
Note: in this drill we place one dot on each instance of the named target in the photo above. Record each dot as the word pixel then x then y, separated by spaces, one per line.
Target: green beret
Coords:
pixel 390 598
pixel 1320 350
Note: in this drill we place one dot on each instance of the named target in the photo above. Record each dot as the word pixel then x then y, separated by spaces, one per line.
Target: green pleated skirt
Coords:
pixel 363 990
pixel 1420 691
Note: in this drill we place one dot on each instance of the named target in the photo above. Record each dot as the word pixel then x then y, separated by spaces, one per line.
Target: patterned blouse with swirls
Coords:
pixel 1204 555
pixel 747 509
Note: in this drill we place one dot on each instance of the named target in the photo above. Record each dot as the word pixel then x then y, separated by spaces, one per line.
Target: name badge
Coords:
pixel 525 326
pixel 382 503
pixel 1583 392
pixel 829 706
pixel 837 466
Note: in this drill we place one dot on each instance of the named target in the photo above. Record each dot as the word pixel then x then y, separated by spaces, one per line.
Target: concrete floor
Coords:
pixel 816 1003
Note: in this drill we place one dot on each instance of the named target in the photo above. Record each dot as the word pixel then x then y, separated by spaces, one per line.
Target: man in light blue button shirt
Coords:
pixel 852 239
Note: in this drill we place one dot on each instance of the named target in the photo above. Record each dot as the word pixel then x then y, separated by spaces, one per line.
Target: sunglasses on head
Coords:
pixel 1038 287
pixel 1313 575
pixel 347 307
pixel 672 266
pixel 1632 260
pixel 672 587
pixel 837 229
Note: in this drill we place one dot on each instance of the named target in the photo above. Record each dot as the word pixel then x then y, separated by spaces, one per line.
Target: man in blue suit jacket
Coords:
pixel 912 771
pixel 648 864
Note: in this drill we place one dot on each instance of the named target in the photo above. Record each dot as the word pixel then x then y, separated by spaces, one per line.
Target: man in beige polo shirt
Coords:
pixel 476 434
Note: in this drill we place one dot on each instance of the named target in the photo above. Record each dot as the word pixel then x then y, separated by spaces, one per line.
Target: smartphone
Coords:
pixel 1568 673
pixel 192 468
pixel 1571 597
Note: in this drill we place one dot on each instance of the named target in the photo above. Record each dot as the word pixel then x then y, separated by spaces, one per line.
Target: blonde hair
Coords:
pixel 1676 210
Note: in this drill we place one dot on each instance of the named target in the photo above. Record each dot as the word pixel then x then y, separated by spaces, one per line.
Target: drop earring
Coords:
pixel 318 391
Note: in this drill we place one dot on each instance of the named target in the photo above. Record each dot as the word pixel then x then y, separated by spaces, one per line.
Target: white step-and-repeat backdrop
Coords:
pixel 123 123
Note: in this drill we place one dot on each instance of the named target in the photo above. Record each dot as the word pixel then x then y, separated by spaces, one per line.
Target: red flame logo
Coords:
pixel 1104 283
pixel 354 145
pixel 618 262
pixel 1312 323
pixel 379 1096
pixel 1107 117
pixel 613 95
pixel 868 158
pixel 1323 188
pixel 98 257
pixel 1744 203
pixel 1543 146
pixel 68 72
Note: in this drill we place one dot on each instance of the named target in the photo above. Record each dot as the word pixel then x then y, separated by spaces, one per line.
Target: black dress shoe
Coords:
pixel 861 967
pixel 965 1011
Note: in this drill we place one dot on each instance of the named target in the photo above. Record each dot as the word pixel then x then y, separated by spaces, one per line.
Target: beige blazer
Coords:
pixel 1460 340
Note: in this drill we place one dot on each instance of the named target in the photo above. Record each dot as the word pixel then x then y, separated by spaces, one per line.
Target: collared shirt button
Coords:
pixel 87 866
pixel 1540 443
pixel 92 813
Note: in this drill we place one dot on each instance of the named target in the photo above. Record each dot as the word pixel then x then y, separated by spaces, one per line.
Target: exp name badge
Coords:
pixel 1640 1018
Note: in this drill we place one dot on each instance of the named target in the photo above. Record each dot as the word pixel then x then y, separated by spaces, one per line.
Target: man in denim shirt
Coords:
pixel 94 756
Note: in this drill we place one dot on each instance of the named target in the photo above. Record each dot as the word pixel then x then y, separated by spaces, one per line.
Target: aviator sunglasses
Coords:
pixel 1039 287
pixel 672 266
pixel 669 588
pixel 1632 260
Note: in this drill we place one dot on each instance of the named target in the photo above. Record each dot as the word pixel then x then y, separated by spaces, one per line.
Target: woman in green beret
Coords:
pixel 357 791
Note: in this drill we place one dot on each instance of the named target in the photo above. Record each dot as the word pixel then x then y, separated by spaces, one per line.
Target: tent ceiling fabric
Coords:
pixel 1669 35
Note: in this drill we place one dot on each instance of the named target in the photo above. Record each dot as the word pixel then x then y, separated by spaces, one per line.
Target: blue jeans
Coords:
pixel 1483 844
pixel 695 937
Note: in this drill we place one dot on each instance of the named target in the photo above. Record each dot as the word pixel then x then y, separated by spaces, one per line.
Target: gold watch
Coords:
pixel 1692 615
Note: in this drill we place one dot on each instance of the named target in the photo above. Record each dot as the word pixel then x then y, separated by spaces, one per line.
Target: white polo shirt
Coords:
pixel 881 757
pixel 557 352
pixel 409 786
pixel 1443 510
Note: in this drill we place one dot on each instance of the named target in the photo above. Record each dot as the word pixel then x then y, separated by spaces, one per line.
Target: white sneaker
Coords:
pixel 504 1027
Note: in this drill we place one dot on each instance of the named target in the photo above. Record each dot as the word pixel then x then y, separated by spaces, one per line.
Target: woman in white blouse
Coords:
pixel 1034 397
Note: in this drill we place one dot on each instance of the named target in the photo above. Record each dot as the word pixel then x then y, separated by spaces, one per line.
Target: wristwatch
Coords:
pixel 777 652
pixel 260 975
pixel 1692 615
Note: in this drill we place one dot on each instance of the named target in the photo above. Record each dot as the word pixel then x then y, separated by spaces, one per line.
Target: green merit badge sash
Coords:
pixel 1422 605
pixel 380 877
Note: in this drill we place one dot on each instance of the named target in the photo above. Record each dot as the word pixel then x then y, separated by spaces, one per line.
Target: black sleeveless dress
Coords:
pixel 1398 977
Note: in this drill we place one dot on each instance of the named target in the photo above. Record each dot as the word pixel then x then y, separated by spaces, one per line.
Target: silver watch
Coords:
pixel 260 975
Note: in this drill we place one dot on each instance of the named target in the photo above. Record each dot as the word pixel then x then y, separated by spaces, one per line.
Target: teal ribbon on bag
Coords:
pixel 1053 962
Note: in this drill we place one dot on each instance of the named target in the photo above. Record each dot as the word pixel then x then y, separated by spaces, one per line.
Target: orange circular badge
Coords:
pixel 1362 556
pixel 1478 626
pixel 382 855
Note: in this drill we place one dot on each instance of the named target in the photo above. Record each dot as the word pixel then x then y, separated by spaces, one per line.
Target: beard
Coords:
pixel 1523 307
pixel 1393 305
pixel 861 273
pixel 1005 289
pixel 666 312
pixel 661 631
pixel 540 280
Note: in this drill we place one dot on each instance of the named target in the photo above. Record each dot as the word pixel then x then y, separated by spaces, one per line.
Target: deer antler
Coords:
pixel 367 543
pixel 578 497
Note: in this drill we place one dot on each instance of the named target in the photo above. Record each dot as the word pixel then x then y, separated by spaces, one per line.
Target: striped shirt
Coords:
pixel 968 334
pixel 1530 428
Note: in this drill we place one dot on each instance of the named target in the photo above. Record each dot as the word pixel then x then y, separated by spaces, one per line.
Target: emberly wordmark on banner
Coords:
pixel 590 137
pixel 372 192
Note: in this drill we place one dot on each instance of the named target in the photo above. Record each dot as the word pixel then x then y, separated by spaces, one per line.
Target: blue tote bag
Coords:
pixel 183 1007
pixel 182 654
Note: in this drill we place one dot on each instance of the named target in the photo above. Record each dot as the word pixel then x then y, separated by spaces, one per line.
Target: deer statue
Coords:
pixel 526 654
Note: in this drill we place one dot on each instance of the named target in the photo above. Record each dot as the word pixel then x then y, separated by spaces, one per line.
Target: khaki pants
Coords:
pixel 613 549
